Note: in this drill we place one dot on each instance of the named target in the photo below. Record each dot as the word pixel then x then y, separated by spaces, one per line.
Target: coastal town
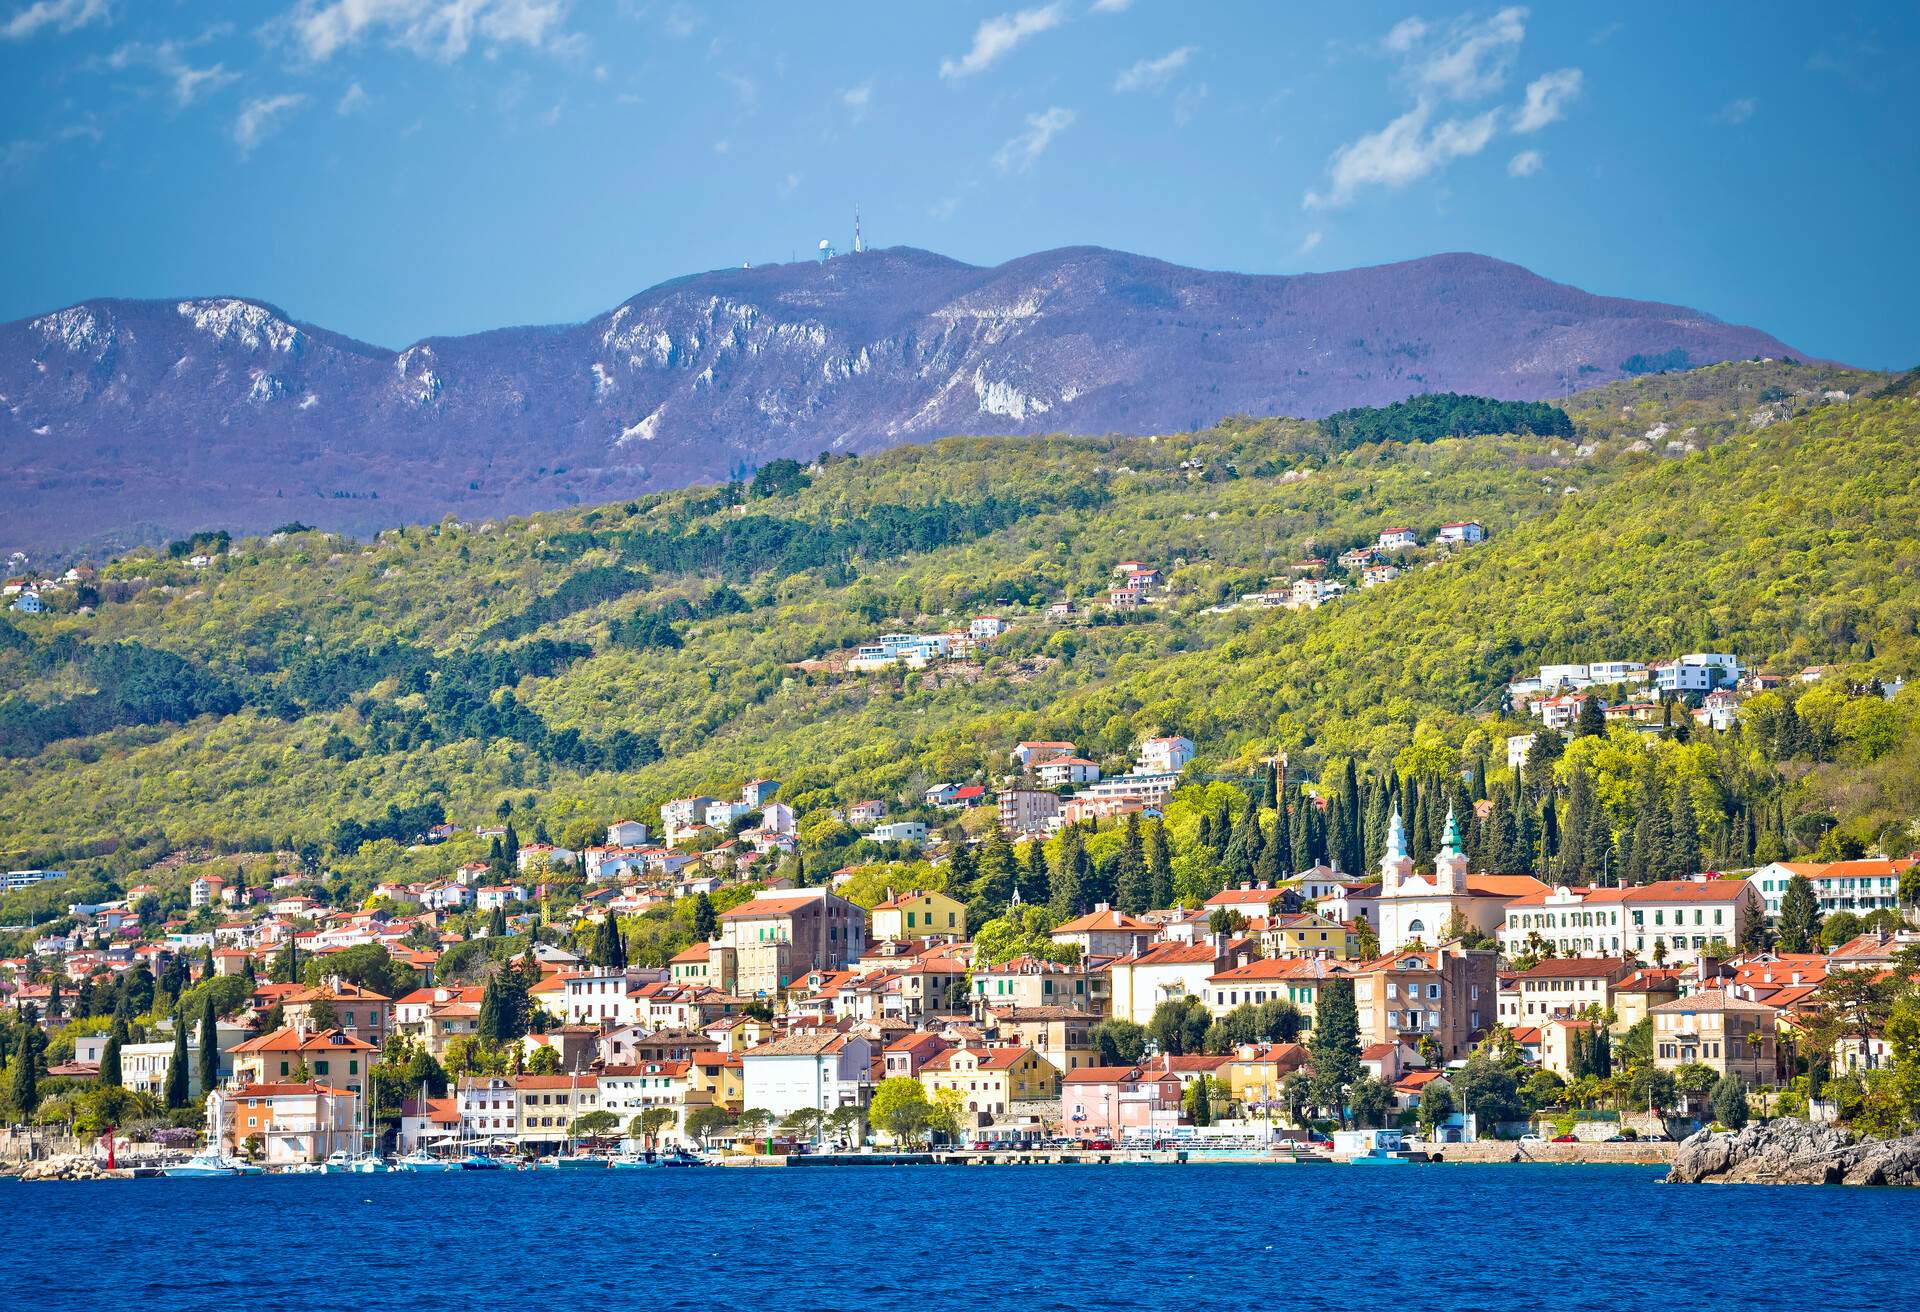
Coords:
pixel 979 989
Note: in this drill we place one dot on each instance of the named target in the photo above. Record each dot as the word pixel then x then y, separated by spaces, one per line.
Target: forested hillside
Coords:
pixel 571 668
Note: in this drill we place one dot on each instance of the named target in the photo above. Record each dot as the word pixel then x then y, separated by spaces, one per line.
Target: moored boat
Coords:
pixel 201 1166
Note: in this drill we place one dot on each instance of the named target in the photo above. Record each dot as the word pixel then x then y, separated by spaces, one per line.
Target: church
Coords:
pixel 1418 908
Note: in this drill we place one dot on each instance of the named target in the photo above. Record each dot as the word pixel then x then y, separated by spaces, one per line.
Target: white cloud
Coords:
pixel 1736 112
pixel 682 21
pixel 1110 6
pixel 1404 151
pixel 1406 34
pixel 997 37
pixel 1018 155
pixel 187 82
pixel 1473 58
pixel 790 184
pixel 1153 74
pixel 1186 105
pixel 352 100
pixel 258 118
pixel 857 97
pixel 436 29
pixel 942 210
pixel 745 89
pixel 1525 164
pixel 1547 97
pixel 65 15
pixel 1308 242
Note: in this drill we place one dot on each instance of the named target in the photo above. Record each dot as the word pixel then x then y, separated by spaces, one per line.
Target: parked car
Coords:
pixel 1532 1138
pixel 981 1146
pixel 1565 1138
pixel 1618 1138
pixel 1097 1145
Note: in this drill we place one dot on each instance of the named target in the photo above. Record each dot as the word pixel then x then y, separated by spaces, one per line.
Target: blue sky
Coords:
pixel 395 168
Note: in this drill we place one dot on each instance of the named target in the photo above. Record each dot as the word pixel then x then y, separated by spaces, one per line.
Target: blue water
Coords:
pixel 1197 1238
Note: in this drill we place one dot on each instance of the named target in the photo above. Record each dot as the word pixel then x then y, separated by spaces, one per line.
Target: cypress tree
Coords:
pixel 1132 890
pixel 1285 856
pixel 1592 718
pixel 110 1059
pixel 1352 843
pixel 1033 882
pixel 177 1079
pixel 1300 830
pixel 706 923
pixel 1270 788
pixel 26 1069
pixel 1069 872
pixel 1205 839
pixel 1222 829
pixel 1159 867
pixel 1686 834
pixel 209 1046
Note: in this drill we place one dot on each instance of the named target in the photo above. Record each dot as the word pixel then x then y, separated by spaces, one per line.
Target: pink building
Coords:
pixel 1111 1100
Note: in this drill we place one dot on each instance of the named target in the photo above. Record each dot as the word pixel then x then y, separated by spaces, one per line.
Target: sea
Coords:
pixel 1202 1238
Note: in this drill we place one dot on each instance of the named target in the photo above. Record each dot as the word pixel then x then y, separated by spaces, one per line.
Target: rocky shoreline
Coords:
pixel 1795 1152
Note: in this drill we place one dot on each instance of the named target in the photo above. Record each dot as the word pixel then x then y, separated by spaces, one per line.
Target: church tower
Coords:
pixel 1450 864
pixel 1395 864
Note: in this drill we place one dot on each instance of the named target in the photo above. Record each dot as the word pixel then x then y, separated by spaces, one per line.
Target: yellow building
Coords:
pixel 991 1080
pixel 1256 1070
pixel 717 1078
pixel 919 915
pixel 1306 934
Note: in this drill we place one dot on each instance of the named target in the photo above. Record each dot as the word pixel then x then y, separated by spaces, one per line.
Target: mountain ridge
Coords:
pixel 127 419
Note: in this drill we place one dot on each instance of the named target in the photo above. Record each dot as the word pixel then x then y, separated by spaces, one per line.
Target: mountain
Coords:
pixel 132 421
pixel 584 665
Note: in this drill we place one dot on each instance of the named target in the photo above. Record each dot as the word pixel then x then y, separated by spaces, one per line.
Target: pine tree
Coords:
pixel 1159 867
pixel 209 1045
pixel 1592 718
pixel 1335 1045
pixel 490 1026
pixel 177 1077
pixel 1376 827
pixel 1798 923
pixel 1500 840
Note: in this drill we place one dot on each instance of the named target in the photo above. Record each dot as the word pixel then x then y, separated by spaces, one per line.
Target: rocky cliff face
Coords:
pixel 1794 1152
pixel 122 420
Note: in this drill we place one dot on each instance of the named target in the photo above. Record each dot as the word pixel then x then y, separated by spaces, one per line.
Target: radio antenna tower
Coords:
pixel 858 244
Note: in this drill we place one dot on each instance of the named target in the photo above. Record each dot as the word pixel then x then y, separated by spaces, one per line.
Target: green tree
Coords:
pixel 1798 924
pixel 110 1076
pixel 1370 1099
pixel 705 923
pixel 1117 1041
pixel 1160 867
pixel 178 1093
pixel 1178 1026
pixel 1729 1101
pixel 544 1060
pixel 1335 1047
pixel 649 1123
pixel 705 1122
pixel 899 1109
pixel 1592 718
pixel 593 1125
pixel 1436 1105
pixel 26 1069
pixel 209 1045
pixel 1199 1100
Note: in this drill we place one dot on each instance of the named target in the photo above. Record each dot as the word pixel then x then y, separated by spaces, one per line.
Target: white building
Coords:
pixel 1518 745
pixel 824 1070
pixel 626 833
pixel 900 831
pixel 1165 755
pixel 1064 770
pixel 1462 534
pixel 985 628
pixel 1872 884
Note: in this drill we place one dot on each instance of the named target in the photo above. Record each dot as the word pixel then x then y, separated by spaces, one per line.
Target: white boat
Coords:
pixel 422 1162
pixel 578 1162
pixel 203 1165
pixel 339 1162
pixel 632 1161
pixel 369 1166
